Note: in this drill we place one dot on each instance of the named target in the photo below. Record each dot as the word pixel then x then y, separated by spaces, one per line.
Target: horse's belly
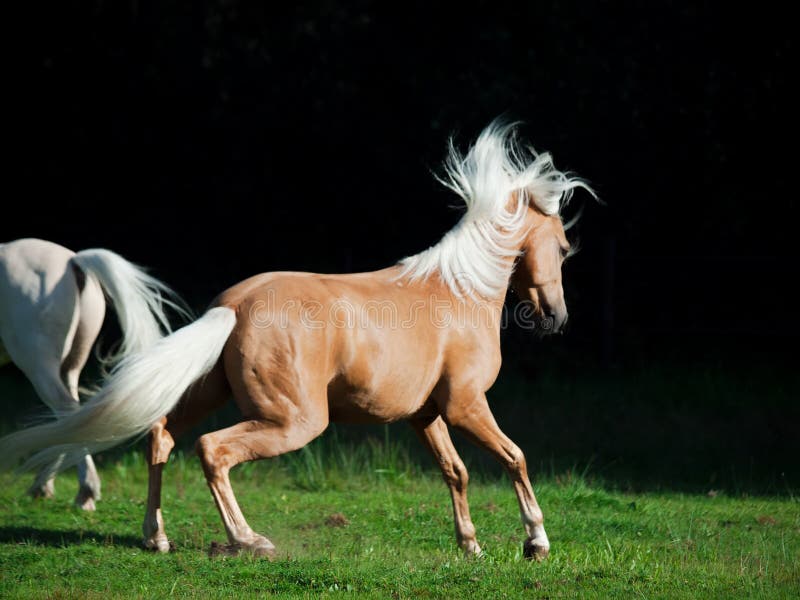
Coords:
pixel 347 404
pixel 383 375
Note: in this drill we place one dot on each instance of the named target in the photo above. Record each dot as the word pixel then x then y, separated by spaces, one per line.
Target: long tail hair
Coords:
pixel 143 388
pixel 138 298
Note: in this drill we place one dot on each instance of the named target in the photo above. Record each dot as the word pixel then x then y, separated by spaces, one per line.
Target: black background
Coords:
pixel 213 140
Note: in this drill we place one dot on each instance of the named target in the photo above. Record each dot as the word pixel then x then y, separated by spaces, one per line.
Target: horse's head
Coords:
pixel 537 275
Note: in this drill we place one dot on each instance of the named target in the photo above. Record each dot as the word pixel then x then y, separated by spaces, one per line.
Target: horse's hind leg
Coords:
pixel 45 378
pixel 435 437
pixel 472 416
pixel 91 311
pixel 44 485
pixel 38 354
pixel 201 399
pixel 221 450
pixel 159 444
pixel 286 404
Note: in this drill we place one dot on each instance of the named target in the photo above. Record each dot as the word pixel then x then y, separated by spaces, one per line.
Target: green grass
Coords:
pixel 399 542
pixel 638 521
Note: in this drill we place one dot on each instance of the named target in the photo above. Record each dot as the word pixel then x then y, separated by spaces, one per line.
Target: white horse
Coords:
pixel 51 310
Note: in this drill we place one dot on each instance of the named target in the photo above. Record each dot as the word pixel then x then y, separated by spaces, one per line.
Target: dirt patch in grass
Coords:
pixel 337 520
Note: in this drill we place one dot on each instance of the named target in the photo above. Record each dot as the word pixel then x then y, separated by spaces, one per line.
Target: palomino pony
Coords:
pixel 51 311
pixel 298 350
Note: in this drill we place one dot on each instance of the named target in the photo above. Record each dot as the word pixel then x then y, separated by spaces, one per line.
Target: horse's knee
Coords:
pixel 457 476
pixel 515 460
pixel 461 473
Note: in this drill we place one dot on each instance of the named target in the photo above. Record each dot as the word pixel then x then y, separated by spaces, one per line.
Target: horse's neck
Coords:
pixel 500 299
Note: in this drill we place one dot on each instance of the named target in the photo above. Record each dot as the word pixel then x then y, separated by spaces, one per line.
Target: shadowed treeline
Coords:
pixel 215 140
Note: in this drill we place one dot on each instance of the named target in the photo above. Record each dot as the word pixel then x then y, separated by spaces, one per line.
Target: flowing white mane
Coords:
pixel 496 180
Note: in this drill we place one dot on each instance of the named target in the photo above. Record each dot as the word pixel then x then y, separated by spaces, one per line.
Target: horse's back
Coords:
pixel 320 287
pixel 32 266
pixel 258 285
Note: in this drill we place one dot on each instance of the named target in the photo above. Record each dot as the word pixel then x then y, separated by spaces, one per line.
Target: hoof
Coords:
pixel 45 491
pixel 85 500
pixel 472 549
pixel 161 545
pixel 533 550
pixel 260 549
pixel 87 504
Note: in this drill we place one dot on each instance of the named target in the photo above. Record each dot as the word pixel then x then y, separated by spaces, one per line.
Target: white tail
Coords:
pixel 138 298
pixel 142 389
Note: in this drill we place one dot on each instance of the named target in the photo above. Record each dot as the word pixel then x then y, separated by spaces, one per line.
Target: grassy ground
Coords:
pixel 687 486
pixel 392 536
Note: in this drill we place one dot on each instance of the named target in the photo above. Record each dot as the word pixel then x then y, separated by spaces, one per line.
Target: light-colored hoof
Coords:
pixel 259 548
pixel 535 550
pixel 85 500
pixel 160 544
pixel 472 549
pixel 45 491
pixel 87 505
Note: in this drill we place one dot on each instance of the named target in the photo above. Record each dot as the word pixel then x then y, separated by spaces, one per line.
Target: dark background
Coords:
pixel 213 140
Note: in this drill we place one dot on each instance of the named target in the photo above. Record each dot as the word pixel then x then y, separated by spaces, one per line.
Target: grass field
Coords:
pixel 659 479
pixel 367 522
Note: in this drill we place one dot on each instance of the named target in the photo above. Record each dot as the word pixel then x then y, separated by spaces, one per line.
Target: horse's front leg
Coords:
pixel 434 435
pixel 470 414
